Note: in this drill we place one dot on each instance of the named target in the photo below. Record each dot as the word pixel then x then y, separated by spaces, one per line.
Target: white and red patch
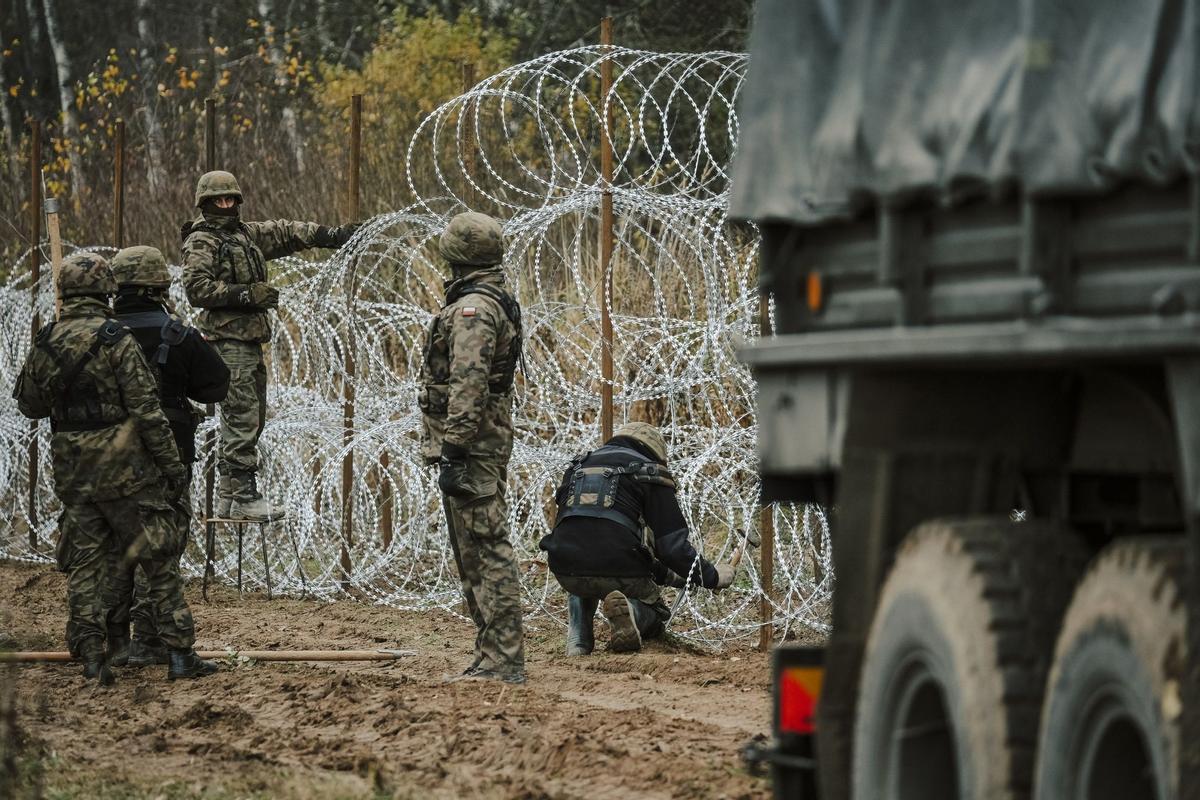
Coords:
pixel 468 311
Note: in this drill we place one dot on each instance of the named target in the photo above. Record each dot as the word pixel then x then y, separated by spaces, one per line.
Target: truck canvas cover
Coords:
pixel 854 102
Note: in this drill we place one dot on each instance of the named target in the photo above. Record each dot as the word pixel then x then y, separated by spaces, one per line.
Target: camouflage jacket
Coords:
pixel 222 256
pixel 466 377
pixel 110 438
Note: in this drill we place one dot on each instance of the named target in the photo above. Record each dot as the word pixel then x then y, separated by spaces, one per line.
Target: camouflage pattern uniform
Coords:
pixel 112 452
pixel 471 351
pixel 187 369
pixel 225 275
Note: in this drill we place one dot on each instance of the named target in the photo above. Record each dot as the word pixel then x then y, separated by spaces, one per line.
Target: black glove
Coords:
pixel 257 295
pixel 452 479
pixel 335 237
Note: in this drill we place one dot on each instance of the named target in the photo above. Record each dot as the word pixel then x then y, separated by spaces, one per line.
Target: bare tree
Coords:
pixel 6 119
pixel 155 173
pixel 66 97
pixel 266 10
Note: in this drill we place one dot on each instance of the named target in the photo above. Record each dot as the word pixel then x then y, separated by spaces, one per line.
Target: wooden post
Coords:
pixel 210 163
pixel 35 267
pixel 119 186
pixel 606 236
pixel 348 354
pixel 766 634
pixel 50 205
pixel 468 140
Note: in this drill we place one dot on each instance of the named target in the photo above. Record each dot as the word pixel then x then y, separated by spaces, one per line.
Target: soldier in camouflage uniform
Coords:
pixel 116 465
pixel 471 353
pixel 188 370
pixel 225 274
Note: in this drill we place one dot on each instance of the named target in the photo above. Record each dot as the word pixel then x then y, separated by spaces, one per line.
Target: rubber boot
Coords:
pixel 248 503
pixel 224 497
pixel 95 665
pixel 147 652
pixel 186 664
pixel 581 615
pixel 118 646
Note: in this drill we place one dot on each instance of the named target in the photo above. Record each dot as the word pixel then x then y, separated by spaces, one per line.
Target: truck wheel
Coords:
pixel 1111 723
pixel 956 660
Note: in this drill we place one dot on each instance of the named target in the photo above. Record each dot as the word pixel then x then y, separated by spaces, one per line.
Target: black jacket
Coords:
pixel 591 546
pixel 193 369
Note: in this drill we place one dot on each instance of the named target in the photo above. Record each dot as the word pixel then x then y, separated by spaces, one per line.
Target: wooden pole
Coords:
pixel 468 140
pixel 606 236
pixel 35 267
pixel 348 355
pixel 766 633
pixel 210 163
pixel 119 186
pixel 50 204
pixel 31 657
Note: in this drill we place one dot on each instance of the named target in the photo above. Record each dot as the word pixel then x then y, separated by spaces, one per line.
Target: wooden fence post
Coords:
pixel 606 234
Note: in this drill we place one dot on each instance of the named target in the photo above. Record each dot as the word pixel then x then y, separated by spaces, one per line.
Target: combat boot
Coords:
pixel 147 653
pixel 631 621
pixel 248 503
pixel 186 664
pixel 224 497
pixel 95 665
pixel 118 646
pixel 581 614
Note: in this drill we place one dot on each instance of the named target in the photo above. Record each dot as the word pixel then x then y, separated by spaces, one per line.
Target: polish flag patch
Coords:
pixel 469 311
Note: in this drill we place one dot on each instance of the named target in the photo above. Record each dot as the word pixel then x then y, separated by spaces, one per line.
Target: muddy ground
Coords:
pixel 667 722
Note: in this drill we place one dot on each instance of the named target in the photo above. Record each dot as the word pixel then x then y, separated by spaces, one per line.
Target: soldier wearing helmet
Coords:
pixel 471 353
pixel 116 466
pixel 225 275
pixel 188 369
pixel 619 535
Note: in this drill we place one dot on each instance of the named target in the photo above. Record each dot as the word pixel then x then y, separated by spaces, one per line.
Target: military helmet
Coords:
pixel 85 274
pixel 646 434
pixel 218 183
pixel 141 266
pixel 472 239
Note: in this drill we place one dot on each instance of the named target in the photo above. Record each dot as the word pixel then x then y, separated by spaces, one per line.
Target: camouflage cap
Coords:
pixel 141 266
pixel 218 183
pixel 85 274
pixel 472 239
pixel 646 434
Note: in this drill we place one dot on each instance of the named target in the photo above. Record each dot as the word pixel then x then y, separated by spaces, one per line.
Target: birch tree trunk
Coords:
pixel 66 97
pixel 155 175
pixel 6 119
pixel 266 10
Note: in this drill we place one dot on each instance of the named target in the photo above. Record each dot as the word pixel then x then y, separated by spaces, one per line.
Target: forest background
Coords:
pixel 282 73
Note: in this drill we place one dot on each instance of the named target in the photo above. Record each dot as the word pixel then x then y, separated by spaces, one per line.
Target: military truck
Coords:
pixel 981 242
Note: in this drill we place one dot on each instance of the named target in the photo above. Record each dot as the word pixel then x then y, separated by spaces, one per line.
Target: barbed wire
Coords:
pixel 524 145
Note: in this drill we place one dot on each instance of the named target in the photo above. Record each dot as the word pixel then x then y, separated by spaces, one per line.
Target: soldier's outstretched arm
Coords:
pixel 472 343
pixel 664 516
pixel 200 281
pixel 32 399
pixel 282 238
pixel 139 392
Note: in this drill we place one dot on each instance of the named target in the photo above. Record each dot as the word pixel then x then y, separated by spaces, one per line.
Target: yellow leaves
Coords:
pixel 221 51
pixel 14 90
pixel 187 80
pixel 252 23
pixel 6 53
pixel 223 81
pixel 172 56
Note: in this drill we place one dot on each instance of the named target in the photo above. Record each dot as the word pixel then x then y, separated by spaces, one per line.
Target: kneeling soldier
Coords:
pixel 599 552
pixel 188 368
pixel 115 463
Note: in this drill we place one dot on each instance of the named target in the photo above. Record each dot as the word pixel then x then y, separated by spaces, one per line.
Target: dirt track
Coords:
pixel 664 723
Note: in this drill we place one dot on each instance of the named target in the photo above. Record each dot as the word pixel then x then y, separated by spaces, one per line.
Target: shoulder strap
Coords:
pixel 109 333
pixel 172 334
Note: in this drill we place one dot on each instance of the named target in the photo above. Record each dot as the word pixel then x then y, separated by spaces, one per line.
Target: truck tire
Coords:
pixel 956 660
pixel 1111 722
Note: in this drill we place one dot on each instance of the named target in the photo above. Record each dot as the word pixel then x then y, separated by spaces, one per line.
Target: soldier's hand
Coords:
pixel 452 478
pixel 335 237
pixel 259 295
pixel 174 482
pixel 725 574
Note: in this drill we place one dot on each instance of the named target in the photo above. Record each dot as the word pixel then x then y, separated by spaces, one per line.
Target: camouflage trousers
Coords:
pixel 487 569
pixel 597 588
pixel 244 409
pixel 95 543
pixel 132 603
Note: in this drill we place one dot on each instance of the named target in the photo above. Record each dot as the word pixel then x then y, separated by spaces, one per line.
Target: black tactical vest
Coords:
pixel 171 333
pixel 601 485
